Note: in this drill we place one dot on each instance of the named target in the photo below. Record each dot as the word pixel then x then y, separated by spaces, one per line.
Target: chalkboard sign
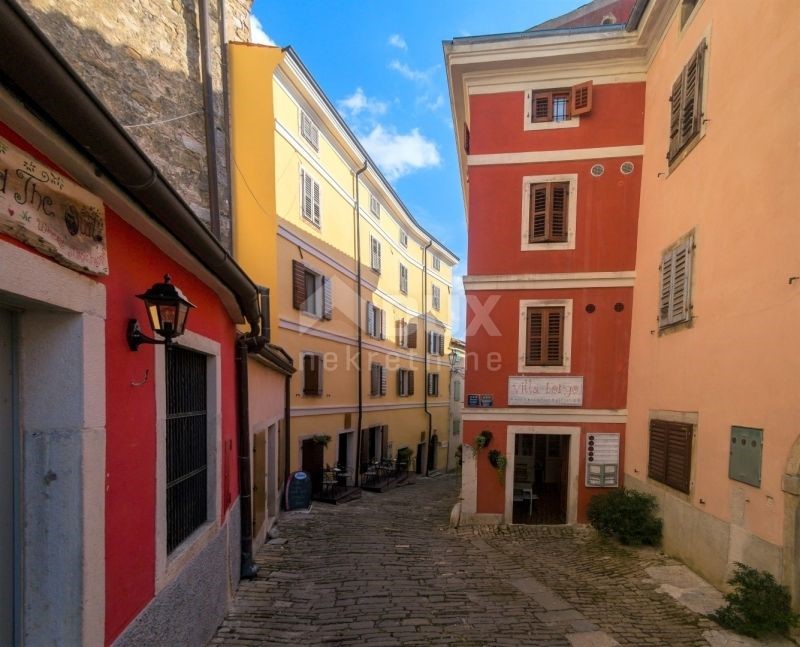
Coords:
pixel 298 491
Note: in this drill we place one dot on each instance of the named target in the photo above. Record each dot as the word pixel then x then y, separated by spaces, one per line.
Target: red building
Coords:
pixel 550 165
pixel 120 505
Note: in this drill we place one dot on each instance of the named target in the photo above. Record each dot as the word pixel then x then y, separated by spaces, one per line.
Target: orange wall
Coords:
pixel 740 361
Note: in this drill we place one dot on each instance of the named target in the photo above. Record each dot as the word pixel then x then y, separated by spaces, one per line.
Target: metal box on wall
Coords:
pixel 745 455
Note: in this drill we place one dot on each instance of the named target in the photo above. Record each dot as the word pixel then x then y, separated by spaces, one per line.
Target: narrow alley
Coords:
pixel 388 570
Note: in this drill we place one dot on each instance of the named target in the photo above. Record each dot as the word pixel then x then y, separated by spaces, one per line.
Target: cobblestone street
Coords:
pixel 388 570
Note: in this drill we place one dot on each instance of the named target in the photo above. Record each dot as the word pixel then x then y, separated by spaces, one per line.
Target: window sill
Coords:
pixel 574 122
pixel 673 165
pixel 554 246
pixel 186 552
pixel 673 328
pixel 563 368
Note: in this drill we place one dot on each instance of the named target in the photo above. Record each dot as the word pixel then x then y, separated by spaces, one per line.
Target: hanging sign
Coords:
pixel 545 391
pixel 50 212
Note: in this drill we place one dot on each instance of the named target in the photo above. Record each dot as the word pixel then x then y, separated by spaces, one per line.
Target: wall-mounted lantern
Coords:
pixel 167 310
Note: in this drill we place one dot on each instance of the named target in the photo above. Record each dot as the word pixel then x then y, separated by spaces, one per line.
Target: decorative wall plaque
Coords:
pixel 545 391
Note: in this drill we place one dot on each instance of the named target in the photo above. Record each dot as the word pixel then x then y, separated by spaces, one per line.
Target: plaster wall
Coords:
pixel 736 364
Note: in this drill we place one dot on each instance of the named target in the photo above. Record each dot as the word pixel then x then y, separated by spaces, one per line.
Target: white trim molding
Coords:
pixel 566 346
pixel 565 155
pixel 560 415
pixel 559 281
pixel 572 210
pixel 352 408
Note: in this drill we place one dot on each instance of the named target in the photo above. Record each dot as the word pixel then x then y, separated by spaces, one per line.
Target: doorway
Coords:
pixel 420 457
pixel 311 461
pixel 541 488
pixel 432 452
pixel 345 457
pixel 9 496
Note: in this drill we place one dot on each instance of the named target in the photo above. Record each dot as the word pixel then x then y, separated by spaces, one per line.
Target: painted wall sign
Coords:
pixel 51 213
pixel 545 391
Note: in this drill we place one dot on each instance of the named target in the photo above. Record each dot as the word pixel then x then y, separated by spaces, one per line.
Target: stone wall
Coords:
pixel 142 60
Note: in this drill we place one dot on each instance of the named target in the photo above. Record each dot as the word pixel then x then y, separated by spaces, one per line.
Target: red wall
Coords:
pixel 134 265
pixel 607 211
pixel 599 349
pixel 491 492
pixel 617 119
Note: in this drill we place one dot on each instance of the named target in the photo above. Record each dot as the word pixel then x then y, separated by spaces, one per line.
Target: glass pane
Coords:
pixel 560 108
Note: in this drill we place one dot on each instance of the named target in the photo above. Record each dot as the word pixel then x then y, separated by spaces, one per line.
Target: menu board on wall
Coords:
pixel 46 210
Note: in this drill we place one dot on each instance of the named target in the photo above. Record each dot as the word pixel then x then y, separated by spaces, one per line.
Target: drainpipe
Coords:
pixel 287 429
pixel 425 314
pixel 360 415
pixel 248 569
pixel 208 113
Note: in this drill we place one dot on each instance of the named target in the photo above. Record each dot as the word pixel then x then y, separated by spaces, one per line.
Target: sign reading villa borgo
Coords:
pixel 545 391
pixel 49 212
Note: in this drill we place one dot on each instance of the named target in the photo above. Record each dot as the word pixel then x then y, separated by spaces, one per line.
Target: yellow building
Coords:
pixel 362 292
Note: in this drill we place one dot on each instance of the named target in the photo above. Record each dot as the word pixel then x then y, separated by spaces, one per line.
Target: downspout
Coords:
pixel 425 327
pixel 360 414
pixel 208 113
pixel 287 429
pixel 248 569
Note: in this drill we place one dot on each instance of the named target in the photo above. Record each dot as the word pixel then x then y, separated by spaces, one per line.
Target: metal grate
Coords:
pixel 187 457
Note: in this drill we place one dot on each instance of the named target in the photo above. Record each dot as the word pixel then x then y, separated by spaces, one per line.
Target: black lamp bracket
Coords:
pixel 136 338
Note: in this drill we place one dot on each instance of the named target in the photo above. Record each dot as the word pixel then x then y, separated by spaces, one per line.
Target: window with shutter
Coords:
pixel 405 382
pixel 310 199
pixel 549 204
pixel 670 453
pixel 436 297
pixel 410 378
pixel 433 384
pixel 375 248
pixel 562 104
pixel 544 337
pixel 675 306
pixel 327 298
pixel 581 99
pixel 375 379
pixel 686 110
pixel 374 206
pixel 312 374
pixel 436 262
pixel 370 319
pixel 401 333
pixel 412 335
pixel 403 279
pixel 403 238
pixel 384 380
pixel 312 293
pixel 440 345
pixel 309 130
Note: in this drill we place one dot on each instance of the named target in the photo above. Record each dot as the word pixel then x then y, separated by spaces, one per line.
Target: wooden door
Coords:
pixel 259 481
pixel 564 476
pixel 312 462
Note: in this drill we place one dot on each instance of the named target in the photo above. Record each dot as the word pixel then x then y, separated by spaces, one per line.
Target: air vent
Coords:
pixel 626 168
pixel 598 170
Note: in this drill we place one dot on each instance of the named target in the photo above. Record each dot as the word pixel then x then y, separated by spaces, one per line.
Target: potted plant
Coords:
pixel 482 440
pixel 321 439
pixel 499 462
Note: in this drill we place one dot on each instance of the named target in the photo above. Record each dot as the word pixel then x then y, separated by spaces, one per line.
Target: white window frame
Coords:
pixel 403 279
pixel 524 304
pixel 375 254
pixel 374 206
pixel 169 566
pixel 572 211
pixel 309 130
pixel 403 238
pixel 527 124
pixel 310 217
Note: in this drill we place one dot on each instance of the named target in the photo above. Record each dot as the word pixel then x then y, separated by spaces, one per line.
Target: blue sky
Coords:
pixel 381 63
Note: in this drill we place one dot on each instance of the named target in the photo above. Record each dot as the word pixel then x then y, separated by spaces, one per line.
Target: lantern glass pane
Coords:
pixel 180 323
pixel 169 313
pixel 152 314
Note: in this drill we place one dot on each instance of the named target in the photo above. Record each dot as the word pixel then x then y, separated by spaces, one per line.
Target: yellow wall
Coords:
pixel 253 170
pixel 738 363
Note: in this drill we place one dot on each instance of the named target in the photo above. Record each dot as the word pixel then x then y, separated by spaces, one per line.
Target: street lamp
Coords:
pixel 167 310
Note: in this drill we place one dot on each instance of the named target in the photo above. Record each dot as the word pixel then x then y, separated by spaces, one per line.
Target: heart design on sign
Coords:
pixel 10 212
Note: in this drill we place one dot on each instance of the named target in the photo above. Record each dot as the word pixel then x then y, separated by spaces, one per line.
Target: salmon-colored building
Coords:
pixel 689 226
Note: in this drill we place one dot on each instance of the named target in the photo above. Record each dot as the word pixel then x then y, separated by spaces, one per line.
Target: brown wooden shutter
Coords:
pixel 384 377
pixel 542 108
pixel 466 139
pixel 327 298
pixel 555 336
pixel 657 454
pixel 410 375
pixel 412 335
pixel 670 454
pixel 441 344
pixel 559 203
pixel 312 374
pixel 676 101
pixel 581 99
pixel 400 381
pixel 374 379
pixel 533 343
pixel 538 213
pixel 299 295
pixel 691 110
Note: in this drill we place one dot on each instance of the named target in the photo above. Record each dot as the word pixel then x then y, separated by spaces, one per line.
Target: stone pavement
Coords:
pixel 388 570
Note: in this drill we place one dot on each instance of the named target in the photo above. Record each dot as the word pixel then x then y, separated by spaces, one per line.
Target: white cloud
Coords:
pixel 257 33
pixel 359 102
pixel 410 73
pixel 396 40
pixel 425 102
pixel 398 154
